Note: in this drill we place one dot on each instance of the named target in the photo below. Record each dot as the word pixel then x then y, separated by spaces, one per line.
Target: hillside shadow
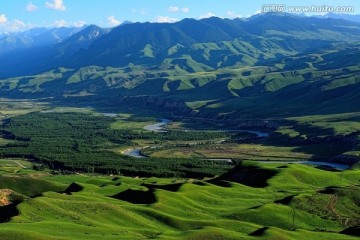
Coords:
pixel 259 232
pixel 251 176
pixel 201 184
pixel 352 231
pixel 137 196
pixel 285 201
pixel 328 190
pixel 74 187
pixel 9 211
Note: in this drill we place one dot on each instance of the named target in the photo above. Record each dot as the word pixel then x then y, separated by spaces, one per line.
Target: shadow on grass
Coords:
pixel 259 232
pixel 9 211
pixel 251 176
pixel 328 190
pixel 74 187
pixel 136 196
pixel 285 200
pixel 352 231
pixel 199 183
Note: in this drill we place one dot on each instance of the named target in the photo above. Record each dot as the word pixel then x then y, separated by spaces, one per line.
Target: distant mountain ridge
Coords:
pixel 208 43
pixel 35 37
pixel 80 40
pixel 350 17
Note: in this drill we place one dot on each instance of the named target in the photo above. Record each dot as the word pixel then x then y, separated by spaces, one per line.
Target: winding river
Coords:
pixel 133 152
pixel 159 127
pixel 156 127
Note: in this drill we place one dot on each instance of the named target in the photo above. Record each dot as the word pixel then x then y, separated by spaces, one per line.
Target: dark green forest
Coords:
pixel 86 143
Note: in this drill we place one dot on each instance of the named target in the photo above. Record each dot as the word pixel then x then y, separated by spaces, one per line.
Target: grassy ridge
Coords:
pixel 196 210
pixel 29 186
pixel 322 125
pixel 252 151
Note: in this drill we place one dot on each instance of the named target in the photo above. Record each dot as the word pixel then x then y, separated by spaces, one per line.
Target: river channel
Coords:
pixel 159 127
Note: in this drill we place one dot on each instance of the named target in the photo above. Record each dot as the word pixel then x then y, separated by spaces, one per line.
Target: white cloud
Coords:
pixel 207 15
pixel 56 5
pixel 165 19
pixel 15 25
pixel 185 10
pixel 113 21
pixel 3 18
pixel 60 23
pixel 31 7
pixel 257 12
pixel 231 14
pixel 19 23
pixel 173 9
pixel 79 23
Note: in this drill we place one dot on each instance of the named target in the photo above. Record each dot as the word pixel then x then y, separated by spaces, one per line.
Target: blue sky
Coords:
pixel 19 15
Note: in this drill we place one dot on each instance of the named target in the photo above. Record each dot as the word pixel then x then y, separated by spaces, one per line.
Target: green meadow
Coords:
pixel 297 202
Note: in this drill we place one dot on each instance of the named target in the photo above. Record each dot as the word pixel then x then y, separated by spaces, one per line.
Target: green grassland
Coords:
pixel 187 209
pixel 254 151
pixel 10 107
pixel 121 124
pixel 4 141
pixel 12 166
pixel 322 125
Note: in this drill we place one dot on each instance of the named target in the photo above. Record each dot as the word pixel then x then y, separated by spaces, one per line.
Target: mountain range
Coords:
pixel 35 37
pixel 264 36
pixel 282 63
pixel 350 17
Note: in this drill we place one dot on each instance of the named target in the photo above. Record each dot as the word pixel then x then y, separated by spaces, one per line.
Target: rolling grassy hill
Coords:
pixel 290 206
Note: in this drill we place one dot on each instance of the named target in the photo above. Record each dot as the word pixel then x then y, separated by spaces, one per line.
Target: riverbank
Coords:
pixel 160 127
